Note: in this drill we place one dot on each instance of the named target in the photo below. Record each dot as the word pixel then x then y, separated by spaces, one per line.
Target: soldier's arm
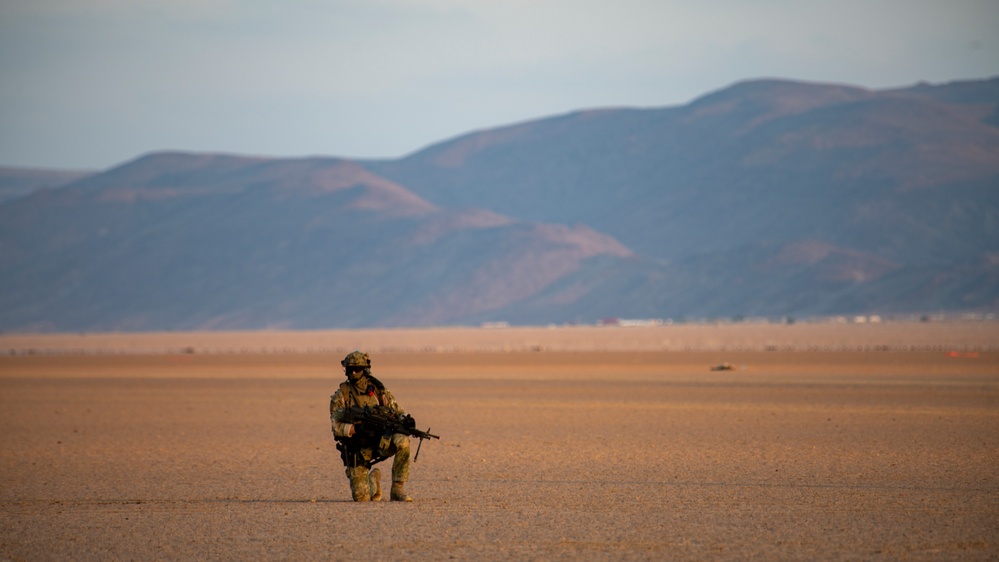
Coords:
pixel 337 409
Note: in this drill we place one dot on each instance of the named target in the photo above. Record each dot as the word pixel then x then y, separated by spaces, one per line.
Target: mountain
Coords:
pixel 908 175
pixel 18 182
pixel 191 241
pixel 766 198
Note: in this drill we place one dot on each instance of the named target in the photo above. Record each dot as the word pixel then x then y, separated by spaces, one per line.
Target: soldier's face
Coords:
pixel 354 373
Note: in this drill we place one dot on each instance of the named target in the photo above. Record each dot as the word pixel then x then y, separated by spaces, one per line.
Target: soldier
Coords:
pixel 358 450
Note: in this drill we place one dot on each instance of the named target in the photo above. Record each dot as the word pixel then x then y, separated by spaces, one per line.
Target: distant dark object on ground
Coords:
pixel 723 367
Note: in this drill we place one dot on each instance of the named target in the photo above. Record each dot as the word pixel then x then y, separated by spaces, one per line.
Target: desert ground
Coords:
pixel 830 442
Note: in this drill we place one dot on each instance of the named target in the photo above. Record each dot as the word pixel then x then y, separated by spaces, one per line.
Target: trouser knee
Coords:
pixel 400 441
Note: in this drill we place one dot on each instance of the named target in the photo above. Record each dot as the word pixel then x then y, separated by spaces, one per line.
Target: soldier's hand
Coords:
pixel 352 431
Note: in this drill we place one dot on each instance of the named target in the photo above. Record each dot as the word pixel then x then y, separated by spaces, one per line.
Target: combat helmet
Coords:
pixel 356 359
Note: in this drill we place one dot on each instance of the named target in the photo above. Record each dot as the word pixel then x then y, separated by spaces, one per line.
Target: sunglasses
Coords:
pixel 355 369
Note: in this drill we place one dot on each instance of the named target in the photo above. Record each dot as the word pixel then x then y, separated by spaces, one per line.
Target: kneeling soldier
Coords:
pixel 361 449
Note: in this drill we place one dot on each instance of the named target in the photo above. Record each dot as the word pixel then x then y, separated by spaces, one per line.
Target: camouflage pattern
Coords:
pixel 356 359
pixel 360 391
pixel 358 397
pixel 360 486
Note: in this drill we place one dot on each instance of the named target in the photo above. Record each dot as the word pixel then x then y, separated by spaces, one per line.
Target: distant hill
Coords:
pixel 18 182
pixel 189 241
pixel 767 198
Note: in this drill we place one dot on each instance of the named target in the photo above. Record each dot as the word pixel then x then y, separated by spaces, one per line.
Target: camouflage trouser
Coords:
pixel 398 445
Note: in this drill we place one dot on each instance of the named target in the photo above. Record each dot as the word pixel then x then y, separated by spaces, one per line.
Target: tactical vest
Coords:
pixel 354 397
pixel 351 449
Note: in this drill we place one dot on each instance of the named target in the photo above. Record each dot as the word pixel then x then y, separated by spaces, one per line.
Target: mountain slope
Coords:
pixel 899 173
pixel 175 241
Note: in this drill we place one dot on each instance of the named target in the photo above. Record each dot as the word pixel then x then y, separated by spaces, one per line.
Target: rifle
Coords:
pixel 375 421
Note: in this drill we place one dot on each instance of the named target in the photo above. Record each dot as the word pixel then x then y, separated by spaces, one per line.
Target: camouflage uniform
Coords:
pixel 365 390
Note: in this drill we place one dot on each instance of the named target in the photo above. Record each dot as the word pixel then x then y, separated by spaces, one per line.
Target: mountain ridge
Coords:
pixel 765 198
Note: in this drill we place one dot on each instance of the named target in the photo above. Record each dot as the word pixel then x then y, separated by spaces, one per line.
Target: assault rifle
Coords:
pixel 375 421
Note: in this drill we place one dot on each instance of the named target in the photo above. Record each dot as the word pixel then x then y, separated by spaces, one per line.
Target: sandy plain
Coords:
pixel 854 443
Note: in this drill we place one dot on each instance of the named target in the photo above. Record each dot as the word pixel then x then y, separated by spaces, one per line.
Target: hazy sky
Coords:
pixel 93 83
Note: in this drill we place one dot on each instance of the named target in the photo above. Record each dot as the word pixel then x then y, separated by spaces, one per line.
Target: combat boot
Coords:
pixel 359 487
pixel 375 484
pixel 398 494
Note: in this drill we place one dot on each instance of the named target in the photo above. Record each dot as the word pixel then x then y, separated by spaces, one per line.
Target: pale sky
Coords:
pixel 94 83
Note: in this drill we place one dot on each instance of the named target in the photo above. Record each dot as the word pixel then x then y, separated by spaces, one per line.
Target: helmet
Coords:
pixel 356 359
